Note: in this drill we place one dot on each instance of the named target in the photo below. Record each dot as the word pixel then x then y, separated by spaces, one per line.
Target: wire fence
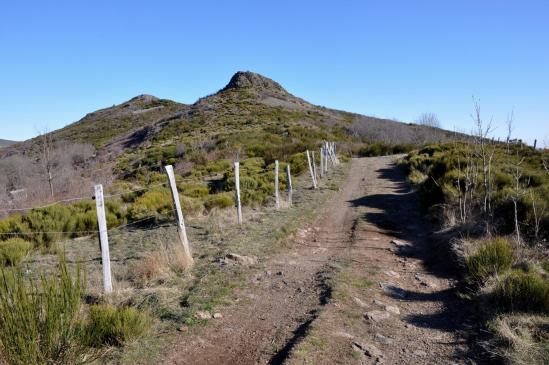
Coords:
pixel 103 231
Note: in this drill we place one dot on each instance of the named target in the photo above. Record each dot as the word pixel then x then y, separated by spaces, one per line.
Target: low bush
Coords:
pixel 152 203
pixel 492 258
pixel 383 149
pixel 194 190
pixel 191 206
pixel 222 200
pixel 13 251
pixel 522 291
pixel 108 325
pixel 39 319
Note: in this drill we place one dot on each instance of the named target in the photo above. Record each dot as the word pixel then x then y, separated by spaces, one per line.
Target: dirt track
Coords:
pixel 291 298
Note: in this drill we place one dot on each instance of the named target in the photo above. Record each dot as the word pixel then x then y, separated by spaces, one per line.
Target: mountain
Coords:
pixel 250 105
pixel 5 143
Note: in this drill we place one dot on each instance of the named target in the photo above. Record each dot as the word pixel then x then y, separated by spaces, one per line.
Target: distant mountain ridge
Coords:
pixel 6 142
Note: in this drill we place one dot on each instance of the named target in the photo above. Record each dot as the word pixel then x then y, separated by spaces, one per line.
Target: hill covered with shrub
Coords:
pixel 252 119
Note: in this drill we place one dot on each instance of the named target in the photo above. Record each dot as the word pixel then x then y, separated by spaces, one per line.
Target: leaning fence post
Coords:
pixel 179 215
pixel 289 178
pixel 311 169
pixel 277 201
pixel 103 239
pixel 237 188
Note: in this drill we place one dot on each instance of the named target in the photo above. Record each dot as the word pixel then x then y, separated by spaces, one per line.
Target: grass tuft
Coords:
pixel 108 325
pixel 522 291
pixel 13 251
pixel 494 257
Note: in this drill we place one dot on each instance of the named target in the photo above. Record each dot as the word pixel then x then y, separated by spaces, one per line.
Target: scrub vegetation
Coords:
pixel 491 198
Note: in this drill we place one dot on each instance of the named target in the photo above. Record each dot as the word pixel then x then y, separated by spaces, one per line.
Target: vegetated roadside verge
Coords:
pixel 489 200
pixel 148 278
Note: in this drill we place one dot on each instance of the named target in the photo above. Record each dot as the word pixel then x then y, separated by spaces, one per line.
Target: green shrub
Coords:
pixel 152 203
pixel 545 265
pixel 382 149
pixel 112 326
pixel 194 190
pixel 522 291
pixel 492 258
pixel 191 206
pixel 39 321
pixel 222 200
pixel 298 163
pixel 13 251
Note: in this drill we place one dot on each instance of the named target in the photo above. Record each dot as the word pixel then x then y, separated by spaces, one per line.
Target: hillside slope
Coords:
pixel 252 118
pixel 248 101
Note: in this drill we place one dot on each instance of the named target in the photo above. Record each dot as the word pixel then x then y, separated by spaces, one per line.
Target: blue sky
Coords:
pixel 397 59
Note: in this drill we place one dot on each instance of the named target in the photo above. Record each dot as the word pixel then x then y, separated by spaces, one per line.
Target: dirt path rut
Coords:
pixel 371 227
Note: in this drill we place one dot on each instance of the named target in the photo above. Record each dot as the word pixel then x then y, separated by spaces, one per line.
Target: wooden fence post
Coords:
pixel 311 169
pixel 314 165
pixel 103 239
pixel 321 162
pixel 237 188
pixel 331 153
pixel 325 158
pixel 179 215
pixel 290 189
pixel 277 201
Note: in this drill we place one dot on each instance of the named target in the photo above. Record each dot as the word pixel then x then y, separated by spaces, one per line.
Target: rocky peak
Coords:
pixel 143 98
pixel 252 80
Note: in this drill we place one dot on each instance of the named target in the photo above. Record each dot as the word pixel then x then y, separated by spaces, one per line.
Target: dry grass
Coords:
pixel 166 262
pixel 521 339
pixel 150 271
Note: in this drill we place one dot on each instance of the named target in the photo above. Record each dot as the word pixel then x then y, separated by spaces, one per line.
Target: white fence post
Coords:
pixel 326 156
pixel 321 162
pixel 331 153
pixel 237 188
pixel 277 201
pixel 311 169
pixel 103 239
pixel 179 215
pixel 290 189
pixel 314 165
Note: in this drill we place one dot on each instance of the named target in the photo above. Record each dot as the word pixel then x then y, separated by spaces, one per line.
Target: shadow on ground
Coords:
pixel 399 215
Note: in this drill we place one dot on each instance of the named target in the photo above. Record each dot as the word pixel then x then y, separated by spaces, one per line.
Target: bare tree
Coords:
pixel 466 181
pixel 516 194
pixel 429 120
pixel 538 211
pixel 544 157
pixel 46 157
pixel 510 128
pixel 484 151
